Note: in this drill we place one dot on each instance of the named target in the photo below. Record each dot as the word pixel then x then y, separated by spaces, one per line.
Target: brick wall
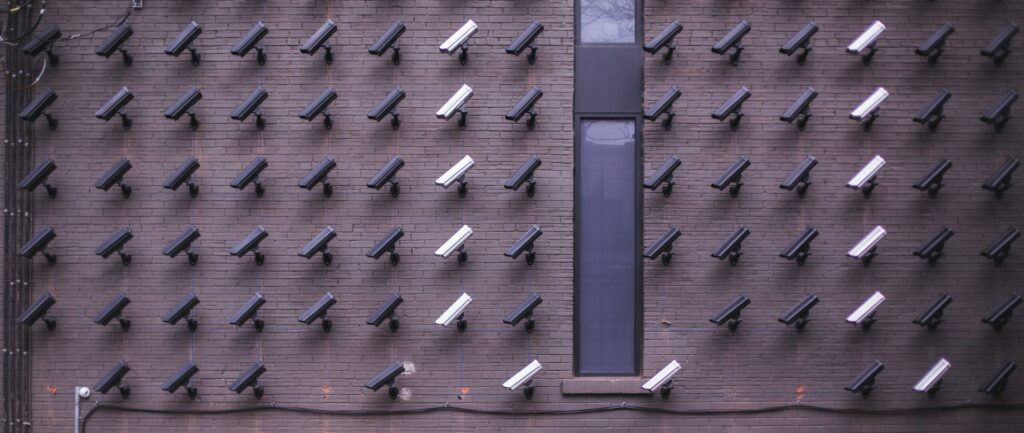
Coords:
pixel 764 364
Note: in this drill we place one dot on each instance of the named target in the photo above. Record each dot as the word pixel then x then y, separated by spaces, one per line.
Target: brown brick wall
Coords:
pixel 764 364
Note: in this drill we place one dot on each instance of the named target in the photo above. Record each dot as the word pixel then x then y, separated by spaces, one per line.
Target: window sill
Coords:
pixel 603 386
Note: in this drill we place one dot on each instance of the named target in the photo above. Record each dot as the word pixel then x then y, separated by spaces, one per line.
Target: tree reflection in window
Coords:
pixel 607 21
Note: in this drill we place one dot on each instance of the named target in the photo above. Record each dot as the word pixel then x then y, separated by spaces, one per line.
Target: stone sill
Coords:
pixel 603 386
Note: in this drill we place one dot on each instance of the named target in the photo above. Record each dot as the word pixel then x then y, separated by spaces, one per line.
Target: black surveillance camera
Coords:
pixel 319 311
pixel 864 383
pixel 116 105
pixel 999 249
pixel 524 311
pixel 799 313
pixel 931 114
pixel 932 317
pixel 43 41
pixel 387 377
pixel 732 107
pixel 181 378
pixel 731 313
pixel 733 176
pixel 800 178
pixel 386 175
pixel 387 245
pixel 251 40
pixel 731 247
pixel 318 175
pixel 526 40
pixel 525 175
pixel 39 106
pixel 184 243
pixel 388 106
pixel 734 39
pixel 38 176
pixel 319 245
pixel 800 110
pixel 38 244
pixel 115 176
pixel 181 310
pixel 997 384
pixel 184 105
pixel 251 174
pixel 386 311
pixel 998 317
pixel 663 246
pixel 664 176
pixel 801 40
pixel 184 175
pixel 389 40
pixel 932 182
pixel 185 40
pixel 249 377
pixel 935 45
pixel 665 39
pixel 525 244
pixel 800 249
pixel 249 311
pixel 114 378
pixel 319 106
pixel 251 105
pixel 251 243
pixel 1000 181
pixel 319 39
pixel 932 250
pixel 115 244
pixel 664 106
pixel 114 310
pixel 115 42
pixel 38 310
pixel 999 114
pixel 525 106
pixel 999 47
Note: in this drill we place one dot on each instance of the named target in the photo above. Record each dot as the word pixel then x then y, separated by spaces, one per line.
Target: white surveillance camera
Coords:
pixel 865 313
pixel 455 242
pixel 455 312
pixel 869 108
pixel 932 380
pixel 459 38
pixel 867 39
pixel 456 173
pixel 663 378
pixel 83 391
pixel 456 103
pixel 865 178
pixel 524 376
pixel 865 248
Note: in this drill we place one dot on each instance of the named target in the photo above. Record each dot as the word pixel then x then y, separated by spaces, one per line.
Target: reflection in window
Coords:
pixel 607 21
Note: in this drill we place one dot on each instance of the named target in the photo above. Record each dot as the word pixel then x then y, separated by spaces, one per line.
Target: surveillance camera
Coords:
pixel 800 178
pixel 182 309
pixel 184 175
pixel 867 111
pixel 734 175
pixel 731 247
pixel 999 250
pixel 932 250
pixel 931 382
pixel 456 312
pixel 663 246
pixel 319 39
pixel 38 310
pixel 249 311
pixel 389 40
pixel 868 40
pixel 800 110
pixel 38 243
pixel 456 243
pixel 801 40
pixel 997 383
pixel 387 245
pixel 525 106
pixel 999 47
pixel 526 40
pixel 319 245
pixel 251 40
pixel 865 250
pixel 114 310
pixel 665 39
pixel 525 175
pixel 663 379
pixel 999 182
pixel 39 175
pixel 734 39
pixel 83 392
pixel 800 248
pixel 935 45
pixel 43 41
pixel 525 311
pixel 456 104
pixel 184 105
pixel 932 317
pixel 319 106
pixel 798 314
pixel 866 179
pixel 113 378
pixel 999 114
pixel 457 173
pixel 864 383
pixel 731 313
pixel 185 40
pixel 998 317
pixel 251 174
pixel 388 106
pixel 864 315
pixel 932 182
pixel 39 106
pixel 116 106
pixel 732 107
pixel 115 176
pixel 251 243
pixel 184 243
pixel 386 175
pixel 386 311
pixel 249 377
pixel 319 311
pixel 525 244
pixel 115 42
pixel 181 378
pixel 931 114
pixel 251 105
pixel 387 377
pixel 524 377
pixel 664 175
pixel 460 41
pixel 664 106
pixel 319 175
pixel 115 243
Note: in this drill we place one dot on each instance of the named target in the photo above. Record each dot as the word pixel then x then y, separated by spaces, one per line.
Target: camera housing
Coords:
pixel 184 243
pixel 524 378
pixel 935 45
pixel 38 244
pixel 184 175
pixel 931 114
pixel 456 243
pixel 387 245
pixel 185 104
pixel 318 175
pixel 251 242
pixel 663 246
pixel 114 310
pixel 998 317
pixel 800 178
pixel 800 110
pixel 801 40
pixel 731 247
pixel 999 249
pixel 253 39
pixel 455 313
pixel 866 249
pixel 43 41
pixel 733 39
pixel 867 40
pixel 799 314
pixel 319 40
pixel 181 310
pixel 526 40
pixel 319 106
pixel 39 175
pixel 665 39
pixel 933 249
pixel 525 311
pixel 999 114
pixel 456 104
pixel 38 310
pixel 864 383
pixel 185 40
pixel 389 40
pixel 457 173
pixel 249 377
pixel 115 176
pixel 388 106
pixel 525 175
pixel 386 311
pixel 733 176
pixel 319 245
pixel 525 244
pixel 250 310
pixel 387 377
pixel 931 382
pixel 731 313
pixel 251 105
pixel 999 47
pixel 251 174
pixel 997 383
pixel 115 244
pixel 800 249
pixel 526 106
pixel 932 182
pixel 664 106
pixel 39 106
pixel 114 378
pixel 1001 180
pixel 319 311
pixel 115 42
pixel 662 381
pixel 864 315
pixel 732 107
pixel 459 41
pixel 181 378
pixel 932 317
pixel 867 112
pixel 866 180
pixel 116 105
pixel 664 175
pixel 387 175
